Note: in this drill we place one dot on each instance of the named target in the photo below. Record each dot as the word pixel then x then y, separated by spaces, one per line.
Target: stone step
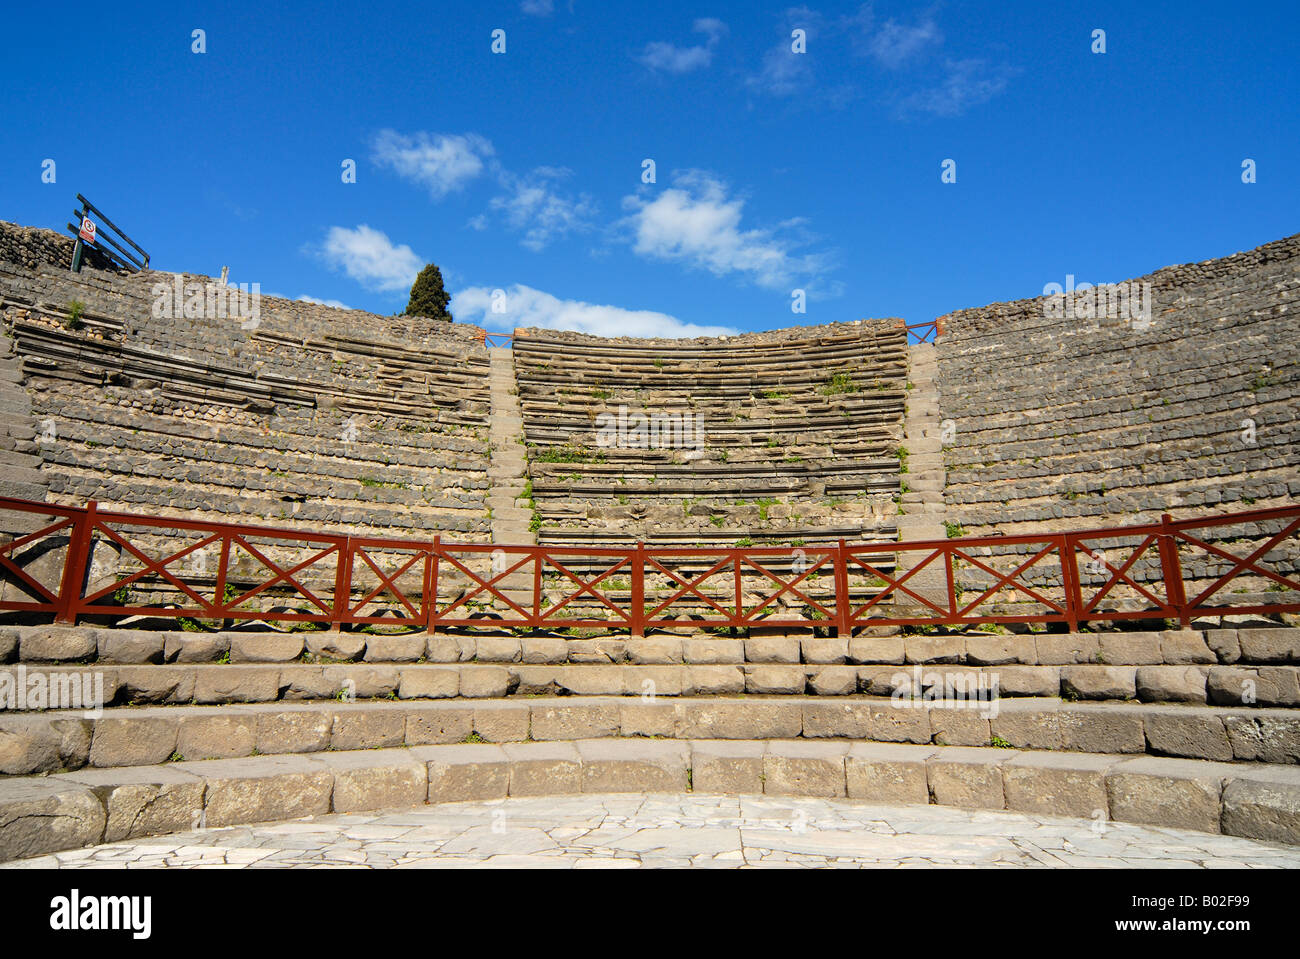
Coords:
pixel 71 810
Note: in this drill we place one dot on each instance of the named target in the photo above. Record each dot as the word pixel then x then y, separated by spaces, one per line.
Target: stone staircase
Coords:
pixel 511 513
pixel 1189 729
pixel 20 438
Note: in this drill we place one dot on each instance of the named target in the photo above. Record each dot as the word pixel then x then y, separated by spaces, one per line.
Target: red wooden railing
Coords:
pixel 339 580
pixel 926 332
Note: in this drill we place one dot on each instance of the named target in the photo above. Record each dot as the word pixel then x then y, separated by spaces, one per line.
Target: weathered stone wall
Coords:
pixel 338 420
pixel 798 435
pixel 29 246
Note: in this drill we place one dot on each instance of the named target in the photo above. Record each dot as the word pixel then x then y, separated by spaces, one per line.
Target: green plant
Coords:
pixel 999 743
pixel 840 383
pixel 428 297
pixel 955 530
pixel 716 520
pixel 76 309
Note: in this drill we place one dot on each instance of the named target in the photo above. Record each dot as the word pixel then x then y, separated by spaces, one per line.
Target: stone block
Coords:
pixel 577 721
pixel 366 727
pixel 262 788
pixel 1131 649
pixel 820 651
pixel 729 768
pixel 968 777
pixel 714 680
pixel 833 680
pixel 541 650
pixel 1269 645
pixel 434 725
pixel 772 649
pixel 133 740
pixel 401 648
pixel 1263 804
pixel 499 649
pixel 659 651
pixel 1175 793
pixel 37 743
pixel 1099 682
pixel 544 769
pixel 1031 724
pixel 148 685
pixel 1191 733
pixel 248 684
pixel 1171 684
pixel 484 682
pixel 1264 736
pixel 870 650
pixel 898 721
pixel 39 816
pixel 222 735
pixel 502 722
pixel 364 682
pixel 1185 647
pixel 293 731
pixel 1000 650
pixel 593 680
pixel 1224 644
pixel 597 652
pixel 1101 729
pixel 266 647
pixel 1067 649
pixel 961 726
pixel 651 681
pixel 800 768
pixel 775 680
pixel 134 646
pixel 741 719
pixel 713 651
pixel 921 650
pixel 466 773
pixel 1050 784
pixel 195 647
pixel 336 645
pixel 144 801
pixel 1027 680
pixel 847 719
pixel 634 766
pixel 381 779
pixel 888 774
pixel 449 649
pixel 57 644
pixel 428 682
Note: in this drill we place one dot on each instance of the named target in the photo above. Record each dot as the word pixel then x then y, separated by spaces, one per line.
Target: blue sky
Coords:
pixel 774 170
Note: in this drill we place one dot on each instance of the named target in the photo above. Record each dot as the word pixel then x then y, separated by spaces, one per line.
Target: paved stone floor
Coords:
pixel 714 831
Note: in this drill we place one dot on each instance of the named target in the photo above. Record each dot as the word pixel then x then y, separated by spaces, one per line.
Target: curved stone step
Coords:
pixel 70 810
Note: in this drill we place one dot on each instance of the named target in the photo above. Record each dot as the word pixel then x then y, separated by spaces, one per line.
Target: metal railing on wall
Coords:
pixel 90 232
pixel 83 561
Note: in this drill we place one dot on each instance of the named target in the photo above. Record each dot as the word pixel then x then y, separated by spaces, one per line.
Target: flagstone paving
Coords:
pixel 627 832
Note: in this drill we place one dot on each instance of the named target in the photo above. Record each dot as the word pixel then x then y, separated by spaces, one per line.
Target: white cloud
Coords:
pixel 670 58
pixel 442 163
pixel 538 8
pixel 534 205
pixel 526 306
pixel 966 83
pixel 894 44
pixel 784 72
pixel 334 303
pixel 696 222
pixel 369 257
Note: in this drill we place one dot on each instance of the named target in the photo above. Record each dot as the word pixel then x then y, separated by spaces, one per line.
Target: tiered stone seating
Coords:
pixel 799 436
pixel 314 416
pixel 1067 423
pixel 1163 729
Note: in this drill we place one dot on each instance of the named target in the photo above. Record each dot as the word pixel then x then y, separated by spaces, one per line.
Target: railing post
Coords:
pixel 434 559
pixel 638 592
pixel 1070 582
pixel 74 566
pixel 843 602
pixel 1171 570
pixel 342 586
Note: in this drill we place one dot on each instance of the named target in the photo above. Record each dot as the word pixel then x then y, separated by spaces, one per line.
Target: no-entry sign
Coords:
pixel 87 230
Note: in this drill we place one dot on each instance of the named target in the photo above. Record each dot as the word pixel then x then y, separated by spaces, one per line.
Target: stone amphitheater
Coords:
pixel 334 563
